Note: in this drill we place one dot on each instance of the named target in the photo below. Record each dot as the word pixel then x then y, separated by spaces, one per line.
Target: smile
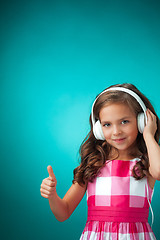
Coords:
pixel 119 140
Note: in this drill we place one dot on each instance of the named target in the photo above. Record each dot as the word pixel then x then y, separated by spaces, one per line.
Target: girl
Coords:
pixel 120 162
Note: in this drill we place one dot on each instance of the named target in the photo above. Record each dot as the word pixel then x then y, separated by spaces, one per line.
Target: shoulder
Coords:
pixel 151 181
pixel 79 186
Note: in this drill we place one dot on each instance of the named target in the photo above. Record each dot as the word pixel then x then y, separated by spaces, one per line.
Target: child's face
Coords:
pixel 119 125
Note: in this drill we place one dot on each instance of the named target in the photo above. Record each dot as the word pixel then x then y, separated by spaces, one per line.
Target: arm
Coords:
pixel 152 146
pixel 61 208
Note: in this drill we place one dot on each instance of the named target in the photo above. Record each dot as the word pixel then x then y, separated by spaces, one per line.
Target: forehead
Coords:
pixel 116 111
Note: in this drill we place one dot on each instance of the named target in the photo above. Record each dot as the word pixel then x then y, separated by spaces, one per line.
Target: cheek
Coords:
pixel 106 133
pixel 134 132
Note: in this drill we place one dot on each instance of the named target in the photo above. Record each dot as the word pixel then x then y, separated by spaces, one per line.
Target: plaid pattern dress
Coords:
pixel 118 205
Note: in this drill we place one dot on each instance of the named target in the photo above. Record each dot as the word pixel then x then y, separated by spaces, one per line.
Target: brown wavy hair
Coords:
pixel 94 153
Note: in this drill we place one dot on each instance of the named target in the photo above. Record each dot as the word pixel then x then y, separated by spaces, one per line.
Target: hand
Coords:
pixel 48 186
pixel 151 126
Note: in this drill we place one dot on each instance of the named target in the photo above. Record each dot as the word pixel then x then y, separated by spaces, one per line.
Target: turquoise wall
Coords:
pixel 55 56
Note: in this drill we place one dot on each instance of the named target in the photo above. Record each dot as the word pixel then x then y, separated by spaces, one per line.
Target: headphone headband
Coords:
pixel 130 92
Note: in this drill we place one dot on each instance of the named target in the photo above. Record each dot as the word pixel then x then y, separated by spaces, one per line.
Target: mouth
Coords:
pixel 119 140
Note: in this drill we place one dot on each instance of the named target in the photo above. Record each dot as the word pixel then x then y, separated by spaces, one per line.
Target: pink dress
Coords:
pixel 118 205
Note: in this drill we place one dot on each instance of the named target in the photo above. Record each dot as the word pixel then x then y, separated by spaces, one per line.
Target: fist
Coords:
pixel 48 186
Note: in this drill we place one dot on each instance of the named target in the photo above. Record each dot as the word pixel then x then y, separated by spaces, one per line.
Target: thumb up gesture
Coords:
pixel 48 186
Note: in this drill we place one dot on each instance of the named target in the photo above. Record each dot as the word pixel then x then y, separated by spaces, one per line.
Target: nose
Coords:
pixel 116 130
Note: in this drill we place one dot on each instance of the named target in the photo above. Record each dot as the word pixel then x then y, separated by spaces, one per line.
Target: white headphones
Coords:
pixel 141 118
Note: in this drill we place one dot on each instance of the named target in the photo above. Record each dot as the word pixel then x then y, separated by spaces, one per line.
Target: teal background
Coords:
pixel 55 57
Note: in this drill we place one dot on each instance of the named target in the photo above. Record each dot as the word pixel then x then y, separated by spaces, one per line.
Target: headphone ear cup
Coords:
pixel 97 131
pixel 141 122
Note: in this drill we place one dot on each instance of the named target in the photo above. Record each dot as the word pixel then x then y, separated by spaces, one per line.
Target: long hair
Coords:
pixel 94 153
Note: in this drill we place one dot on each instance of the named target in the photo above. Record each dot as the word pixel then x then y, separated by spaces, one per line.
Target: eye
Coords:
pixel 125 121
pixel 107 125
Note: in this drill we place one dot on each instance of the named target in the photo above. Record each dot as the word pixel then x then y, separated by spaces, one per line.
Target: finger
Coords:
pixel 47 193
pixel 51 178
pixel 44 191
pixel 51 173
pixel 149 116
pixel 49 182
pixel 44 195
pixel 153 115
pixel 48 187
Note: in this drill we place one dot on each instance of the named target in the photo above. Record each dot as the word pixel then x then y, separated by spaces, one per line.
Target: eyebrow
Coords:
pixel 126 117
